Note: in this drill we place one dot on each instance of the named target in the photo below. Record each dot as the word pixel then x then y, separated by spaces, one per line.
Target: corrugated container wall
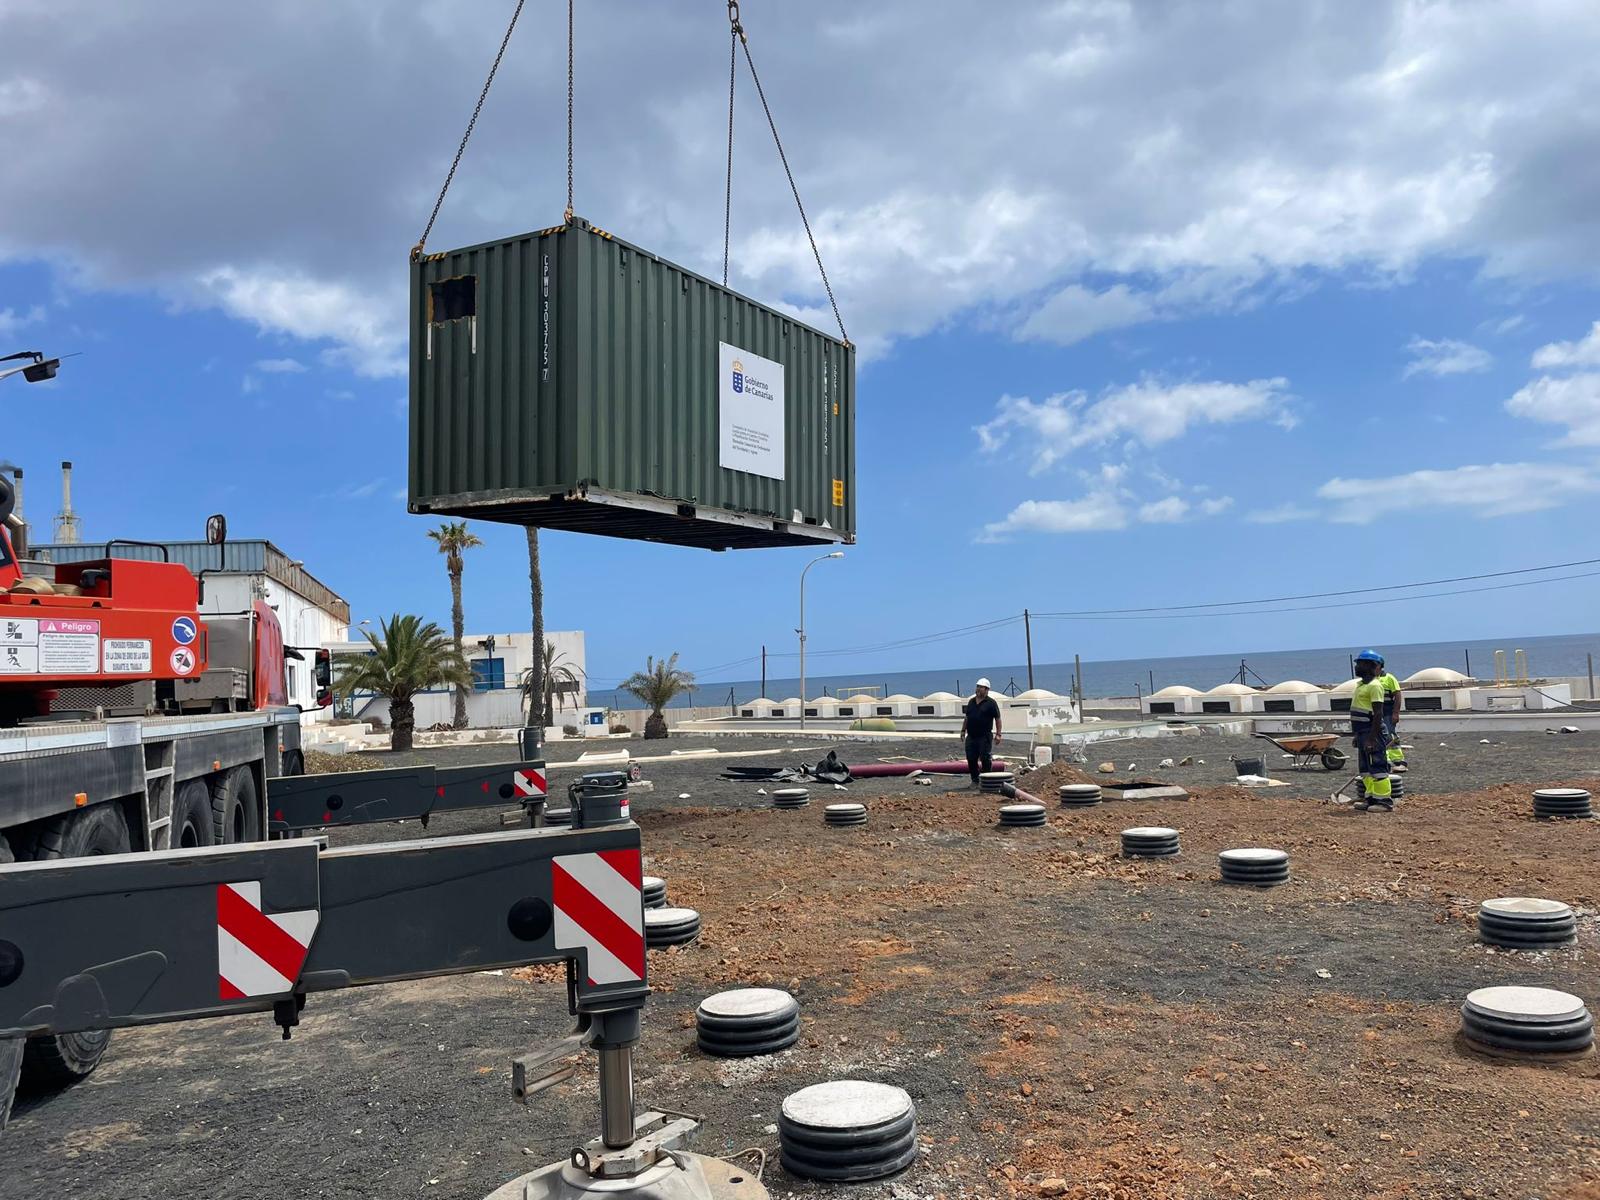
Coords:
pixel 567 379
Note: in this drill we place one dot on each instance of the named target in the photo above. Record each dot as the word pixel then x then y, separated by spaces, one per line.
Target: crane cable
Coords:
pixel 569 108
pixel 740 39
pixel 416 251
pixel 735 33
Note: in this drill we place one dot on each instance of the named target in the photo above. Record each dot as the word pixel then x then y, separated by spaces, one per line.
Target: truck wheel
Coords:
pixel 192 822
pixel 236 808
pixel 56 1060
pixel 294 763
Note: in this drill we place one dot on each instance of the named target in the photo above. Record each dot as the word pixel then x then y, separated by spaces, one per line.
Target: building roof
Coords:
pixel 941 696
pixel 1231 689
pixel 247 557
pixel 1438 677
pixel 1293 686
pixel 1174 691
pixel 1347 687
pixel 899 698
pixel 1038 694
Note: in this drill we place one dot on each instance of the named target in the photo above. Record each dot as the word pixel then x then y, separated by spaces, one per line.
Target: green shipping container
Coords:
pixel 569 380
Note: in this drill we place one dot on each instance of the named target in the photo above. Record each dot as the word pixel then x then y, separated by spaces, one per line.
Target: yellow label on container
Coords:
pixel 838 493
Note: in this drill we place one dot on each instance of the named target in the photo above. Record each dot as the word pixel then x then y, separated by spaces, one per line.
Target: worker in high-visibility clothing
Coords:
pixel 1366 726
pixel 1391 719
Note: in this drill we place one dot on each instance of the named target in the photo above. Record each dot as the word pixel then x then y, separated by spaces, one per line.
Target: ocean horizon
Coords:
pixel 1550 656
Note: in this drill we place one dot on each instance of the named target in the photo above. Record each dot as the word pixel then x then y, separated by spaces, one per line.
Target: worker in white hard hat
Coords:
pixel 980 725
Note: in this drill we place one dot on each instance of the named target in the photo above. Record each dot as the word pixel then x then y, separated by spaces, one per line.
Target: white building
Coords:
pixel 498 662
pixel 233 576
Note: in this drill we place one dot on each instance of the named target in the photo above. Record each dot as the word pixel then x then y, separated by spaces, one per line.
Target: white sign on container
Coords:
pixel 750 412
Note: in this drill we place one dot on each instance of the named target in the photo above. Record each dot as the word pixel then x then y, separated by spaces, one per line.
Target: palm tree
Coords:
pixel 410 656
pixel 453 537
pixel 655 686
pixel 556 676
pixel 533 682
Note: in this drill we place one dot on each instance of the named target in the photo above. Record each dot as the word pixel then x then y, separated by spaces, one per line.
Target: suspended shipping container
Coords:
pixel 569 380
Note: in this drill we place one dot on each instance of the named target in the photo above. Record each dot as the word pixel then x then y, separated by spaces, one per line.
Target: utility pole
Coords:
pixel 1077 676
pixel 1027 632
pixel 763 672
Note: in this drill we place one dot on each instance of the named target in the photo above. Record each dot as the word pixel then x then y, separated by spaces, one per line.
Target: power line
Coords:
pixel 1136 615
pixel 1364 591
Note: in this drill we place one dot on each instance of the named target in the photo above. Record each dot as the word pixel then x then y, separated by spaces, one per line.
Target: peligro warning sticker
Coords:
pixel 69 646
pixel 126 656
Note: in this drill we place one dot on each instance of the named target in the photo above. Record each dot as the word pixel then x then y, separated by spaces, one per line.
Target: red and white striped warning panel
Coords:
pixel 258 954
pixel 599 908
pixel 530 783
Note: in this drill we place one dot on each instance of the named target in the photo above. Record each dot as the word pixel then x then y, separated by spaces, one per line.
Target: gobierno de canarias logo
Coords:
pixel 738 376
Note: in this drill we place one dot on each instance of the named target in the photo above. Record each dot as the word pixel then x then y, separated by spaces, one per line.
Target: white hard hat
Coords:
pixel 983 683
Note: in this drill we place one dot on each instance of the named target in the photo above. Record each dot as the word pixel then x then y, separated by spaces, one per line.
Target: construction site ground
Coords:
pixel 1068 1022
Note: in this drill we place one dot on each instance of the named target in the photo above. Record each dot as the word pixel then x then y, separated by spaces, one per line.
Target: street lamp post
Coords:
pixel 802 631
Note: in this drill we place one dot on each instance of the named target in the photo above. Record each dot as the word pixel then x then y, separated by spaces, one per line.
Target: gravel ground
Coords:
pixel 1068 1022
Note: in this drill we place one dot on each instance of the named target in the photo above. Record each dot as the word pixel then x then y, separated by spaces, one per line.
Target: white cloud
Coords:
pixel 1445 357
pixel 1504 325
pixel 1396 132
pixel 1149 412
pixel 368 338
pixel 250 385
pixel 12 321
pixel 1570 400
pixel 280 366
pixel 1075 313
pixel 1280 514
pixel 1559 355
pixel 1104 508
pixel 1164 512
pixel 1492 490
pixel 1094 513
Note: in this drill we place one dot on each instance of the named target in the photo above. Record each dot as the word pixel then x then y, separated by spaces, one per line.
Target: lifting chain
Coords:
pixel 570 4
pixel 416 251
pixel 735 36
pixel 740 39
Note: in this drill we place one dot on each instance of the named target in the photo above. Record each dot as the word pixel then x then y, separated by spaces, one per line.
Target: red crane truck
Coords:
pixel 208 754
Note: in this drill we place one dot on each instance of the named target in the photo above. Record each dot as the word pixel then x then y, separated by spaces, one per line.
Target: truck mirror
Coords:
pixel 216 529
pixel 324 697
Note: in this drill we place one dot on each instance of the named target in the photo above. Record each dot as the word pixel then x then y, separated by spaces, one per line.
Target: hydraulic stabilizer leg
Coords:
pixel 144 939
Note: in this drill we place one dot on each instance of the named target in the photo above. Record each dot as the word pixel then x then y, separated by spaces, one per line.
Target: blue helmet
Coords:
pixel 1371 656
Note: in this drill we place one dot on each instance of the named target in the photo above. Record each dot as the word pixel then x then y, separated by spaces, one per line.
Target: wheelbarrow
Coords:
pixel 1308 749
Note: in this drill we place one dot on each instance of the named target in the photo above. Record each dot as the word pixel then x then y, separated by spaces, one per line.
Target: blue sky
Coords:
pixel 1153 312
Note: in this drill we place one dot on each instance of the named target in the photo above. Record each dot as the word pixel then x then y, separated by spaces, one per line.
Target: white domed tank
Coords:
pixel 1230 698
pixel 1292 696
pixel 1173 700
pixel 1435 689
